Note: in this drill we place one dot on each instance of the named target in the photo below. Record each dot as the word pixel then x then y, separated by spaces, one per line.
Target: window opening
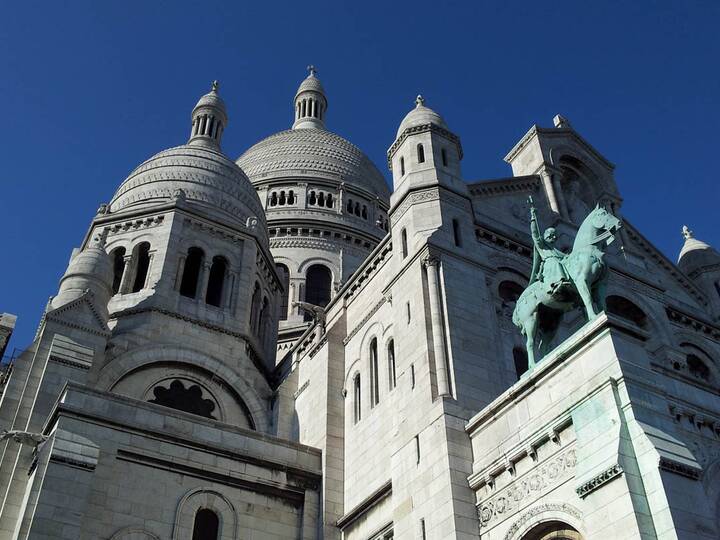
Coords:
pixel 216 282
pixel 142 266
pixel 191 273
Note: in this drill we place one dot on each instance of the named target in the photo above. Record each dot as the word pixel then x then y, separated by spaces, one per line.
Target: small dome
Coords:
pixel 312 153
pixel 696 254
pixel 310 84
pixel 201 175
pixel 90 269
pixel 420 116
pixel 212 99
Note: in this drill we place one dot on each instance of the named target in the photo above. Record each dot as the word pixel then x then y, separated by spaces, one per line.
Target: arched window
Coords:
pixel 402 166
pixel 318 280
pixel 189 399
pixel 291 197
pixel 349 206
pixel 118 259
pixel 281 200
pixel 403 240
pixel 364 212
pixel 357 410
pixel 625 309
pixel 312 199
pixel 321 199
pixel 357 209
pixel 191 272
pixel 329 200
pixel 521 361
pixel 206 526
pixel 142 265
pixel 216 281
pixel 698 362
pixel 509 291
pixel 456 233
pixel 374 378
pixel 284 275
pixel 263 321
pixel 420 153
pixel 392 378
pixel 443 155
pixel 273 199
pixel 255 308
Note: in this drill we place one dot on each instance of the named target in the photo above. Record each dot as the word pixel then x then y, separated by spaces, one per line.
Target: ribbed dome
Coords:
pixel 310 84
pixel 206 177
pixel 419 116
pixel 313 153
pixel 696 254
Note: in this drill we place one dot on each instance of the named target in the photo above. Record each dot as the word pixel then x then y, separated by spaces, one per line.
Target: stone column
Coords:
pixel 432 265
pixel 549 190
pixel 341 198
pixel 203 281
pixel 125 282
pixel 560 197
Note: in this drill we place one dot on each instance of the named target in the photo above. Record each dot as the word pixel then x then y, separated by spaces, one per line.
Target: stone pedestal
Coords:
pixel 586 443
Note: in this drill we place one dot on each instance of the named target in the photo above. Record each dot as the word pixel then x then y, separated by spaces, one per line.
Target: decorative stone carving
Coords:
pixel 603 478
pixel 530 485
pixel 541 509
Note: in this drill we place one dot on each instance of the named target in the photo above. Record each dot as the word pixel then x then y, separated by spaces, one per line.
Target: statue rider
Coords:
pixel 548 261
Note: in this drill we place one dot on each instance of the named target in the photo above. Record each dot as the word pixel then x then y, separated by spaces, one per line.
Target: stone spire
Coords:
pixel 310 103
pixel 209 119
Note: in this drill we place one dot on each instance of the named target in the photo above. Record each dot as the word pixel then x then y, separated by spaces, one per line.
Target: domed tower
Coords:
pixel 325 201
pixel 194 287
pixel 701 263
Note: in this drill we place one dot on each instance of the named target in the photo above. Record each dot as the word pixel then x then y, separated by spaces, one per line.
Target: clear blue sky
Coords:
pixel 91 89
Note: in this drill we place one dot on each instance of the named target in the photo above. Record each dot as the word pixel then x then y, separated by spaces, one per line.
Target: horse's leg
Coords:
pixel 600 290
pixel 582 280
pixel 530 328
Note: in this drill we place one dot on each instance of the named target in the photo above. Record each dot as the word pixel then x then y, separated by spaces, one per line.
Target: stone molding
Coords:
pixel 536 481
pixel 679 468
pixel 412 198
pixel 414 130
pixel 505 186
pixel 365 319
pixel 488 235
pixel 136 224
pixel 541 509
pixel 65 361
pixel 599 480
pixel 365 505
pixel 701 327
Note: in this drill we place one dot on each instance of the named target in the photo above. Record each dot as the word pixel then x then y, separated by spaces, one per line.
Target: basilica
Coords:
pixel 280 345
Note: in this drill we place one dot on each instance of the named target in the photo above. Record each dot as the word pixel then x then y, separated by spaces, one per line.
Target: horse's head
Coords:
pixel 599 226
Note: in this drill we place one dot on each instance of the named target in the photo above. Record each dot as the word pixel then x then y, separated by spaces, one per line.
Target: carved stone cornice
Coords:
pixel 133 225
pixel 679 468
pixel 505 186
pixel 599 480
pixel 415 197
pixel 698 325
pixel 493 237
pixel 414 130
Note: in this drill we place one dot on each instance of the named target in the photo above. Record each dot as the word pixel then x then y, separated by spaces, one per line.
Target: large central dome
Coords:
pixel 312 153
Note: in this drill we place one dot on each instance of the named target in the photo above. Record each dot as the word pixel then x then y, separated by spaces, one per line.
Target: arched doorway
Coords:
pixel 552 530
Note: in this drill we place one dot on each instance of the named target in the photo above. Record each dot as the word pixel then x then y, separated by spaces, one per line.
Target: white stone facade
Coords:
pixel 177 392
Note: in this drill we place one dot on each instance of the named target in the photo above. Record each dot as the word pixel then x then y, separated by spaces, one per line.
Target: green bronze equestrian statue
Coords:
pixel 562 282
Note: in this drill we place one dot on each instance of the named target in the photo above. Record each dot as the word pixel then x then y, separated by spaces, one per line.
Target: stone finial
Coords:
pixel 687 233
pixel 561 122
pixel 419 101
pixel 104 208
pixel 215 86
pixel 311 69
